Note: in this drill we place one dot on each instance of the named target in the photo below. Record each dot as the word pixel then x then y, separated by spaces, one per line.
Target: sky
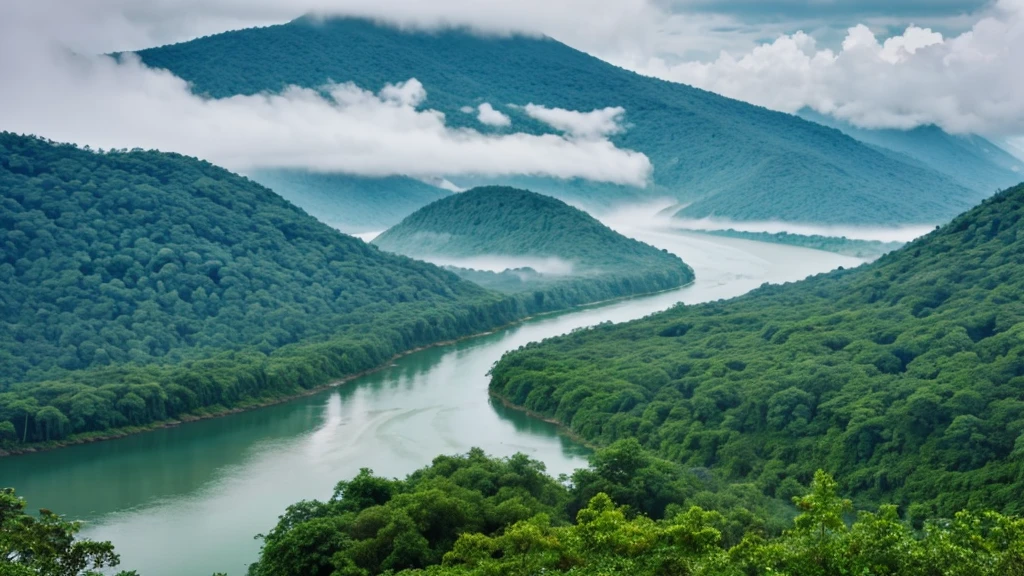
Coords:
pixel 874 63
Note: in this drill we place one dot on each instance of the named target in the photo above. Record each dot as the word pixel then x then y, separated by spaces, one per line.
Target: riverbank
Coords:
pixel 217 411
pixel 562 428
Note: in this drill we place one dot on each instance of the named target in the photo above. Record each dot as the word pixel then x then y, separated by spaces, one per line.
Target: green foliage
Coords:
pixel 904 377
pixel 869 249
pixel 500 222
pixel 735 160
pixel 137 287
pixel 45 545
pixel 475 516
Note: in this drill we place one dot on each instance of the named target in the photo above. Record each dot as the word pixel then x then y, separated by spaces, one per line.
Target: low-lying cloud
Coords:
pixel 109 102
pixel 965 83
pixel 487 115
pixel 595 124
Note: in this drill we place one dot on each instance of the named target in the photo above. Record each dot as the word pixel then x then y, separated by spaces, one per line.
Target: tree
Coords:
pixel 46 545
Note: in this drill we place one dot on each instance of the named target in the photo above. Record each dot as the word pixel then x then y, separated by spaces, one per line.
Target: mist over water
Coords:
pixel 649 216
pixel 549 266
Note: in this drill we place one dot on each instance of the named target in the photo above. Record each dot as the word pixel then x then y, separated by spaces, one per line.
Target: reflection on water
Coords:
pixel 188 500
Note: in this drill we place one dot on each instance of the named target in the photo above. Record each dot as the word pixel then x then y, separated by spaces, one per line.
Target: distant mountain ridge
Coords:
pixel 973 161
pixel 723 157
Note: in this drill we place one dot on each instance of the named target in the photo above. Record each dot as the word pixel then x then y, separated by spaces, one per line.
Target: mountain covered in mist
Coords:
pixel 973 161
pixel 719 157
pixel 903 377
pixel 353 204
pixel 546 245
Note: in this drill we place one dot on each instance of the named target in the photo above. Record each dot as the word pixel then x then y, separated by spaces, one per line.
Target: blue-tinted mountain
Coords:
pixel 352 204
pixel 723 157
pixel 971 160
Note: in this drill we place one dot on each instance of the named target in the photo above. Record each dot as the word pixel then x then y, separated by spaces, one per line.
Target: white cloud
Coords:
pixel 107 103
pixel 595 124
pixel 489 116
pixel 966 83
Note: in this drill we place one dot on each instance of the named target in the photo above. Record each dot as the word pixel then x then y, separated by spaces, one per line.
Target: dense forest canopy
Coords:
pixel 905 377
pixel 728 158
pixel 140 286
pixel 500 222
pixel 476 516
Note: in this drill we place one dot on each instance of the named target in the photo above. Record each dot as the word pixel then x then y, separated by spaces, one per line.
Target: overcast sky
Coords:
pixel 876 63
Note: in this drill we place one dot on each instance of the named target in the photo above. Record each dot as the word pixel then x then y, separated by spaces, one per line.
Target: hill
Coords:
pixel 533 243
pixel 970 160
pixel 352 204
pixel 140 286
pixel 728 158
pixel 903 377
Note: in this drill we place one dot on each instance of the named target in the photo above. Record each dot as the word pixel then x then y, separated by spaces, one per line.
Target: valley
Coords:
pixel 240 471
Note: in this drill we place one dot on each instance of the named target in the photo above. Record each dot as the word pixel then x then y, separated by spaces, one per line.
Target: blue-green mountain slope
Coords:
pixel 973 161
pixel 727 158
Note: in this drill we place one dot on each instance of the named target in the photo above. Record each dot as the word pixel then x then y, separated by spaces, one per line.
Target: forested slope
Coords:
pixel 736 160
pixel 904 378
pixel 141 286
pixel 501 223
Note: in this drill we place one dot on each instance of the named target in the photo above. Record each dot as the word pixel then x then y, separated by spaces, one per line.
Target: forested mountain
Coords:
pixel 498 223
pixel 352 204
pixel 904 378
pixel 729 158
pixel 146 285
pixel 971 160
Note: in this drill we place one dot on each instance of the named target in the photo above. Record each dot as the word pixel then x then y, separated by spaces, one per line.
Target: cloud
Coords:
pixel 965 83
pixel 489 116
pixel 595 124
pixel 106 102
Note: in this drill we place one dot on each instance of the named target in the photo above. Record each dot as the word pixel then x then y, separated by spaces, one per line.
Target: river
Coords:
pixel 188 500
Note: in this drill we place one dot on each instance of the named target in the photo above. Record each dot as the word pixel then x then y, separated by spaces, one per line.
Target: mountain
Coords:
pixel 970 160
pixel 533 243
pixel 140 286
pixel 904 378
pixel 723 157
pixel 352 204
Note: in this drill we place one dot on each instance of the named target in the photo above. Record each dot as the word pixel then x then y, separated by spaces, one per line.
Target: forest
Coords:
pixel 138 287
pixel 476 516
pixel 498 222
pixel 735 161
pixel 903 378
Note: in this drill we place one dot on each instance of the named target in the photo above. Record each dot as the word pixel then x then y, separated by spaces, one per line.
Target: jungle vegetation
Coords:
pixel 138 287
pixel 904 378
pixel 476 516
